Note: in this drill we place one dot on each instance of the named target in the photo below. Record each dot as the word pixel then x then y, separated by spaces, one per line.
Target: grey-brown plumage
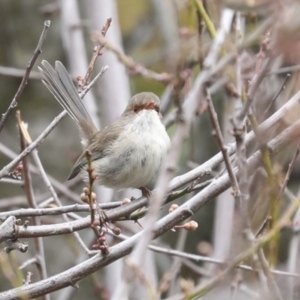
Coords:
pixel 127 153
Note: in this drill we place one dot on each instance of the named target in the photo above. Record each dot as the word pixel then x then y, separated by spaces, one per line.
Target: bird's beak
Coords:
pixel 149 105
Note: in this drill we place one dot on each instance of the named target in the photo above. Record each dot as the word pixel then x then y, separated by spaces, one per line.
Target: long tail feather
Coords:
pixel 59 83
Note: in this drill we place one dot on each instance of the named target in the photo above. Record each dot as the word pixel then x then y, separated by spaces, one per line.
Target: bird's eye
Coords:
pixel 135 109
pixel 157 109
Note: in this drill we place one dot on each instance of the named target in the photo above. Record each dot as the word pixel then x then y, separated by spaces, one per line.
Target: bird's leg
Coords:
pixel 102 215
pixel 145 192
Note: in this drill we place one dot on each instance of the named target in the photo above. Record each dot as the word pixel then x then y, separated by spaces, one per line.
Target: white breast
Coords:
pixel 137 155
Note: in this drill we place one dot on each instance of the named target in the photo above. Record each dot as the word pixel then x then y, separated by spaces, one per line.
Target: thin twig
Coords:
pixel 5 170
pixel 97 51
pixel 27 263
pixel 89 86
pixel 54 195
pixel 52 211
pixel 252 90
pixel 284 70
pixel 170 277
pixel 282 87
pixel 163 225
pixel 130 63
pixel 273 287
pixel 282 189
pixel 289 171
pixel 39 247
pixel 162 185
pixel 223 148
pixel 30 65
pixel 248 253
pixel 241 159
pixel 200 258
pixel 15 72
pixel 208 22
pixel 263 226
pixel 12 181
pixel 63 189
pixel 92 176
pixel 239 132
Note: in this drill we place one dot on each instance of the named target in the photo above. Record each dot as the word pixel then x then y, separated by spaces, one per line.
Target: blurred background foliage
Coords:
pixel 146 41
pixel 21 25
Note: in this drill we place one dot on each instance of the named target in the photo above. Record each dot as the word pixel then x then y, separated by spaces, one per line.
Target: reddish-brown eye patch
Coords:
pixel 148 106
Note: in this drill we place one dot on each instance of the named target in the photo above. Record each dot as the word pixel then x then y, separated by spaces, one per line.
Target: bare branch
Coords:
pixel 30 65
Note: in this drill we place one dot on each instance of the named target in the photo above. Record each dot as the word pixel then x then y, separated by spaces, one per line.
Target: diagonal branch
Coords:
pixel 30 65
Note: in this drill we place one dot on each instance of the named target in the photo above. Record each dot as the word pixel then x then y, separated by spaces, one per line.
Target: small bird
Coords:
pixel 126 154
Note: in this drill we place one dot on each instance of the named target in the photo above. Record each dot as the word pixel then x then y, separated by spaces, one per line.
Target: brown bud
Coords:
pixel 102 239
pixel 116 230
pixel 103 249
pixel 84 198
pixel 125 201
pixel 19 167
pixel 164 286
pixel 192 225
pixel 94 175
pixel 26 223
pixel 86 191
pixel 173 207
pixel 186 286
pixel 94 196
pixel 96 223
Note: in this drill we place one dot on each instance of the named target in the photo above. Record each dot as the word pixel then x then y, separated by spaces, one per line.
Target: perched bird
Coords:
pixel 126 154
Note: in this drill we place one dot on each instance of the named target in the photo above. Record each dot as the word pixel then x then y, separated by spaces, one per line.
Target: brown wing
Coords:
pixel 97 146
